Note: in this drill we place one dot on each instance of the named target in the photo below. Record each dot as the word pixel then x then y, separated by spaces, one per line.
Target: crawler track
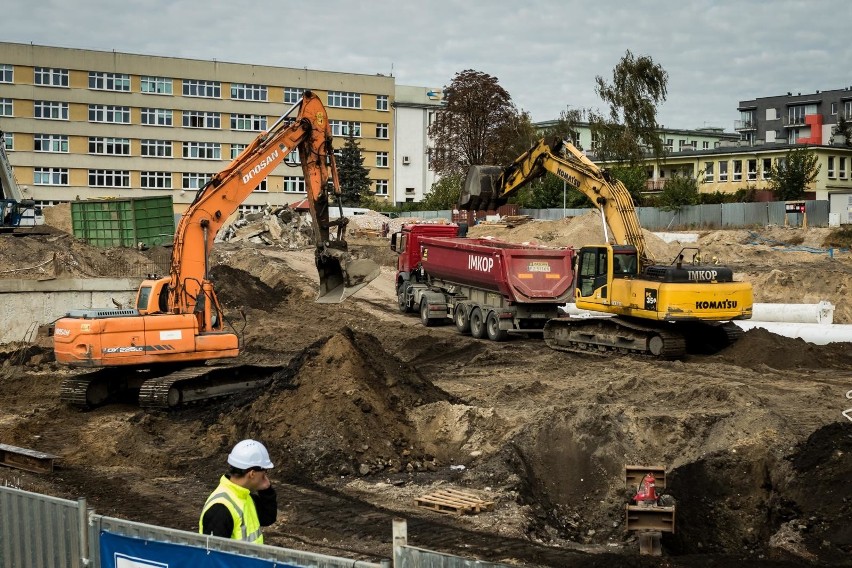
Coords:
pixel 162 388
pixel 606 336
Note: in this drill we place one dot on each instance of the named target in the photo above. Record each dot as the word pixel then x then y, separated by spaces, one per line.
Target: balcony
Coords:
pixel 745 125
pixel 794 121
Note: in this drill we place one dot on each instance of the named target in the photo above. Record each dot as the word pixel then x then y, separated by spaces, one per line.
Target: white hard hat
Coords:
pixel 249 453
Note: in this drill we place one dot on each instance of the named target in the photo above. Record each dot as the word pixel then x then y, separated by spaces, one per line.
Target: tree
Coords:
pixel 354 177
pixel 634 179
pixel 479 125
pixel 549 192
pixel 791 175
pixel 444 193
pixel 638 87
pixel 678 192
pixel 844 128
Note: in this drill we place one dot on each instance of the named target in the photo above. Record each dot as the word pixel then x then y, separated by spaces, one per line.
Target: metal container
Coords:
pixel 148 221
pixel 519 272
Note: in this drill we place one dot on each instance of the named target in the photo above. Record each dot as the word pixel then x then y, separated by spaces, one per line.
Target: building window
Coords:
pixel 244 92
pixel 202 150
pixel 796 115
pixel 156 148
pixel 51 110
pixel 156 85
pixel 723 171
pixel 382 187
pixel 262 187
pixel 50 77
pixel 842 169
pixel 237 149
pixel 201 119
pixel 208 89
pixel 766 173
pixel 705 145
pixel 381 159
pixel 7 73
pixel 292 95
pixel 381 102
pixel 8 141
pixel 382 131
pixel 109 178
pixel 253 122
pixel 194 180
pixel 109 113
pixel 156 180
pixel 344 99
pixel 293 158
pixel 157 116
pixel 344 127
pixel 738 170
pixel 833 109
pixel 831 167
pixel 6 107
pixel 293 184
pixel 847 109
pixel 109 146
pixel 50 176
pixel 752 170
pixel 708 171
pixel 109 81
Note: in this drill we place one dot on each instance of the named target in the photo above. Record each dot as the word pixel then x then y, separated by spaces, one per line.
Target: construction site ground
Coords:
pixel 375 410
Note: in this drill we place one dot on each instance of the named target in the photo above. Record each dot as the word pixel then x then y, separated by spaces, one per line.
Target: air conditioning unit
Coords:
pixel 406 160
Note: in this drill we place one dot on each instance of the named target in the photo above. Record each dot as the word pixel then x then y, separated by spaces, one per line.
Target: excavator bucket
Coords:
pixel 340 275
pixel 478 192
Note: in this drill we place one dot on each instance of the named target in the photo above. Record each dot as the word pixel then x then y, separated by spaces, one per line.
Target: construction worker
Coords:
pixel 245 500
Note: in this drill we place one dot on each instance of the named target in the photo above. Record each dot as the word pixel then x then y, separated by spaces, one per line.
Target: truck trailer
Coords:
pixel 486 287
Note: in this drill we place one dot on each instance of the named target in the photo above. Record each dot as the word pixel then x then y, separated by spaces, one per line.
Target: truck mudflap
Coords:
pixel 340 275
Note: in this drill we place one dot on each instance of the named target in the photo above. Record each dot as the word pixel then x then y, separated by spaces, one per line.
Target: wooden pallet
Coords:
pixel 452 501
pixel 26 459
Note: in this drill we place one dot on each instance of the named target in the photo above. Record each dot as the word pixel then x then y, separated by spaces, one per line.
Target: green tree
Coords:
pixel 354 177
pixel 479 125
pixel 444 193
pixel 791 175
pixel 634 179
pixel 566 127
pixel 548 192
pixel 638 87
pixel 678 192
pixel 844 128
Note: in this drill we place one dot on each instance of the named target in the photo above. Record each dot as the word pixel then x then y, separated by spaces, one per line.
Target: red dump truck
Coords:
pixel 487 287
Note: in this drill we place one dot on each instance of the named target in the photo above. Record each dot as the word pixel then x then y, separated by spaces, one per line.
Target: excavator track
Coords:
pixel 196 384
pixel 160 389
pixel 607 336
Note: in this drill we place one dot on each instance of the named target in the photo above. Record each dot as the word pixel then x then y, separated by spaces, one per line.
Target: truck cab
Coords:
pixel 406 243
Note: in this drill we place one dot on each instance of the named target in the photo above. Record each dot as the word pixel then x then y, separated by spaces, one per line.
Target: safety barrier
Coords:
pixel 40 531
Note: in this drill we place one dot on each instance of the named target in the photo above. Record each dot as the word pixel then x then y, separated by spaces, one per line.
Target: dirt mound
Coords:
pixel 759 347
pixel 342 410
pixel 237 288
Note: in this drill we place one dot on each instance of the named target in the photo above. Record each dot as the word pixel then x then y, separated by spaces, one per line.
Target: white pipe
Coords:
pixel 823 313
pixel 816 333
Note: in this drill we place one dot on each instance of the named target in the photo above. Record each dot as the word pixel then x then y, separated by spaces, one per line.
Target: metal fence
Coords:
pixel 39 531
pixel 720 216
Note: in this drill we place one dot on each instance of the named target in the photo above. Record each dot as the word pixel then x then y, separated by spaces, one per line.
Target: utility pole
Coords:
pixel 564 190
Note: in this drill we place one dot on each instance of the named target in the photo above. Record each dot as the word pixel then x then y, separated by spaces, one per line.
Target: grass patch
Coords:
pixel 839 238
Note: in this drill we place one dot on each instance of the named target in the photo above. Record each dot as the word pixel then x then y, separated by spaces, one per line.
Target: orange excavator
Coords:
pixel 160 346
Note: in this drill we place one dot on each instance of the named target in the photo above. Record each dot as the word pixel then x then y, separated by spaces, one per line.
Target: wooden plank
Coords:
pixel 453 501
pixel 26 459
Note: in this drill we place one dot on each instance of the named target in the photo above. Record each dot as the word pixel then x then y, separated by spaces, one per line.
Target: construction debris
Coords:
pixel 26 459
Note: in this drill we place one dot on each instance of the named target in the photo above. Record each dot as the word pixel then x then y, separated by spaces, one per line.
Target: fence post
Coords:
pixel 83 524
pixel 400 538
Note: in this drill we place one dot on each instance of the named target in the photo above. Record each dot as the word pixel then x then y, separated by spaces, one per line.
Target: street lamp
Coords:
pixel 564 190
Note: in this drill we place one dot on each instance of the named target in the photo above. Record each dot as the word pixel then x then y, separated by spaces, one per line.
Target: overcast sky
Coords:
pixel 545 53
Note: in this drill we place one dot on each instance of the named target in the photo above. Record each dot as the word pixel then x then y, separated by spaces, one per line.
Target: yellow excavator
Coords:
pixel 662 310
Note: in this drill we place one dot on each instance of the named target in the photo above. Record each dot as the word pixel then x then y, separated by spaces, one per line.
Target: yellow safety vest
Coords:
pixel 241 506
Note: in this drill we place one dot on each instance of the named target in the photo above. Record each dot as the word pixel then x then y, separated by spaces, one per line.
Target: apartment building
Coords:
pixel 414 113
pixel 793 119
pixel 84 124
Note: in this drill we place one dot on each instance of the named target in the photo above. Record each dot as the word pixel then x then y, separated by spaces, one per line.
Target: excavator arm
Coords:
pixel 487 187
pixel 310 133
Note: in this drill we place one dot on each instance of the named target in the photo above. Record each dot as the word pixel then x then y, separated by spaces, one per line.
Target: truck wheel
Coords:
pixel 461 319
pixel 424 313
pixel 492 327
pixel 477 325
pixel 402 302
